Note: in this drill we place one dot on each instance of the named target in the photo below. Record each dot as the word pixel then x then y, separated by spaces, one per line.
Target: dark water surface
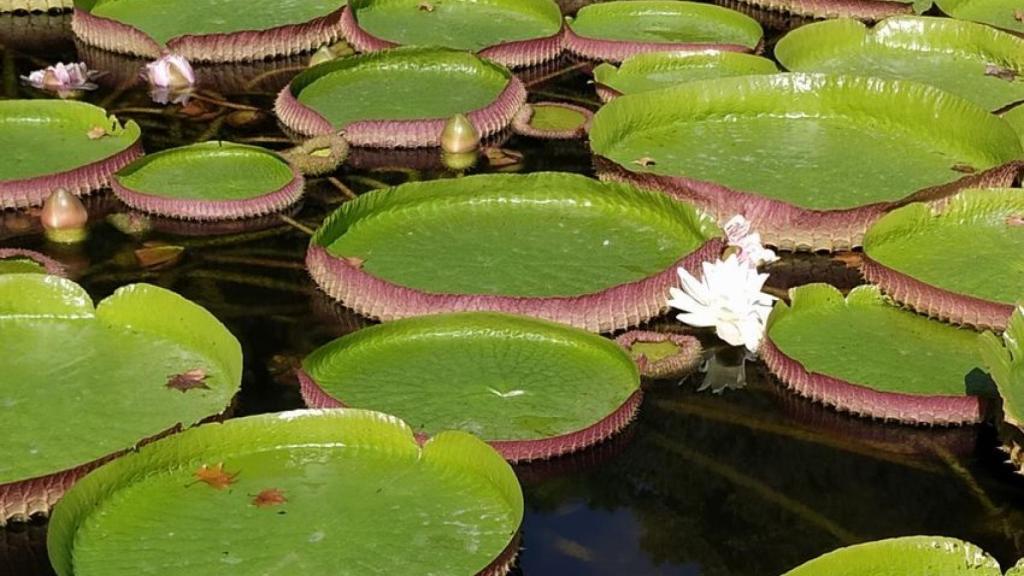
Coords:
pixel 750 482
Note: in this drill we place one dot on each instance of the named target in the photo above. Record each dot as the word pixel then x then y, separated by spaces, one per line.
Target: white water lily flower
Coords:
pixel 751 251
pixel 728 297
pixel 63 78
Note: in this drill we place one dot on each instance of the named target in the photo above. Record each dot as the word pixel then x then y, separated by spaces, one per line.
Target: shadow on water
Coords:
pixel 749 482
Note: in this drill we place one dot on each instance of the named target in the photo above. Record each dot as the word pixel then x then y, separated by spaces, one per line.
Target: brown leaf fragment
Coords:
pixel 269 497
pixel 502 157
pixel 999 72
pixel 158 255
pixel 964 168
pixel 96 132
pixel 1018 15
pixel 215 476
pixel 426 7
pixel 644 161
pixel 354 261
pixel 188 380
pixel 1015 220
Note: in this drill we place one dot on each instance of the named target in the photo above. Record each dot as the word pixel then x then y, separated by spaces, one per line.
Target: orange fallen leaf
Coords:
pixel 215 476
pixel 426 7
pixel 645 161
pixel 1018 15
pixel 96 132
pixel 188 380
pixel 965 168
pixel 269 497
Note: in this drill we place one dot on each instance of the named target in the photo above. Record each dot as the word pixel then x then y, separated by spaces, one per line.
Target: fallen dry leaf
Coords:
pixel 1000 72
pixel 645 161
pixel 965 168
pixel 426 7
pixel 1018 15
pixel 269 497
pixel 354 261
pixel 155 256
pixel 215 476
pixel 502 157
pixel 1015 220
pixel 188 380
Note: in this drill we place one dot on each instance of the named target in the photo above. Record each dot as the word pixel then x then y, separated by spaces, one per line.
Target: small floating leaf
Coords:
pixel 1000 72
pixel 269 498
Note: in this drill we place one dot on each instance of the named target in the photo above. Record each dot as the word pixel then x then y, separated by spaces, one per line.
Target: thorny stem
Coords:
pixel 223 103
pixel 371 182
pixel 341 186
pixel 556 74
pixel 296 224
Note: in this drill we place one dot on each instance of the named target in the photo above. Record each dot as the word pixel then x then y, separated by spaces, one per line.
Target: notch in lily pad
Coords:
pixel 210 181
pixel 532 389
pixel 204 492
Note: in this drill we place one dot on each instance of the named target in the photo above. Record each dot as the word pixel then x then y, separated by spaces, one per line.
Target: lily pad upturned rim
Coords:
pixel 780 223
pixel 522 450
pixel 844 396
pixel 614 308
pixel 688 356
pixel 216 441
pixel 517 54
pixel 22 499
pixel 605 73
pixel 196 209
pixel 523 126
pixel 869 557
pixel 417 133
pixel 49 265
pixel 81 180
pixel 951 7
pixel 33 6
pixel 919 295
pixel 801 48
pixel 612 50
pixel 284 40
pixel 810 11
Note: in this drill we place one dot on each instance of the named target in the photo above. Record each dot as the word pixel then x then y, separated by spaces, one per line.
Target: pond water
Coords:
pixel 750 482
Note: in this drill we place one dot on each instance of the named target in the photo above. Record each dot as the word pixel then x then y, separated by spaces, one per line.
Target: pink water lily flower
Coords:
pixel 171 78
pixel 751 251
pixel 728 297
pixel 63 78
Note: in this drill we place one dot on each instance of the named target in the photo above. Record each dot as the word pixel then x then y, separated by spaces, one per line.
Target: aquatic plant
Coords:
pixel 599 256
pixel 209 181
pixel 907 555
pixel 337 488
pixel 895 365
pixel 956 261
pixel 22 261
pixel 229 31
pixel 64 79
pixel 1005 14
pixel 170 78
pixel 470 372
pixel 122 369
pixel 514 33
pixel 740 147
pixel 653 70
pixel 1004 359
pixel 553 120
pixel 662 354
pixel 64 217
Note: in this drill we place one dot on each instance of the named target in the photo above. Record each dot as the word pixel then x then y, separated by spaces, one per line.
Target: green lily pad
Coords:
pixel 47 145
pixel 903 557
pixel 1015 118
pixel 561 246
pixel 19 261
pixel 800 139
pixel 460 24
pixel 972 246
pixel 665 22
pixel 400 94
pixel 523 384
pixel 1006 365
pixel 651 71
pixel 863 355
pixel 1005 14
pixel 209 180
pixel 977 62
pixel 164 22
pixel 130 374
pixel 323 492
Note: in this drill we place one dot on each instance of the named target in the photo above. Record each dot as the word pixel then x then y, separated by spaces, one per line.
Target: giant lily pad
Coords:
pixel 792 151
pixel 598 256
pixel 861 355
pixel 651 71
pixel 223 31
pixel 512 32
pixel 20 261
pixel 971 60
pixel 80 384
pixel 616 30
pixel 962 261
pixel 321 492
pixel 1006 365
pixel 904 556
pixel 531 388
pixel 400 98
pixel 52 144
pixel 209 181
pixel 1005 14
